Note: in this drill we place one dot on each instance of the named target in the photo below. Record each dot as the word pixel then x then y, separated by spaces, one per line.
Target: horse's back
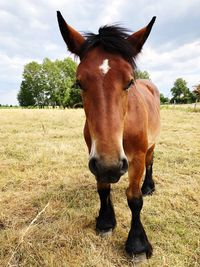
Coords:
pixel 149 91
pixel 151 97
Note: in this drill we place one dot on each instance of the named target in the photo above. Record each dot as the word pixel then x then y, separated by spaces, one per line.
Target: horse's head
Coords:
pixel 105 74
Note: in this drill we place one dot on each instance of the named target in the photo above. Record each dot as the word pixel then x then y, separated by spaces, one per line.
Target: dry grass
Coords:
pixel 43 159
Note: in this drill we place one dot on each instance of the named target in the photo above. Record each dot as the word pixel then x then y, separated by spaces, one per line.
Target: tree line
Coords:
pixel 51 84
pixel 181 94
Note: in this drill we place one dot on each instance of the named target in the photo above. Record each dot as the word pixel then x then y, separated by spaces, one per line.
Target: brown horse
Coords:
pixel 122 120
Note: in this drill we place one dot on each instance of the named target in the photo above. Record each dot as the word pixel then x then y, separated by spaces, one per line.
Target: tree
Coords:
pixel 48 83
pixel 196 91
pixel 142 74
pixel 25 96
pixel 163 99
pixel 29 88
pixel 74 97
pixel 181 93
pixel 66 78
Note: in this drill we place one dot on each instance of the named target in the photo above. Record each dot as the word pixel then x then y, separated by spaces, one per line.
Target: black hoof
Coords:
pixel 105 224
pixel 137 247
pixel 148 189
pixel 104 233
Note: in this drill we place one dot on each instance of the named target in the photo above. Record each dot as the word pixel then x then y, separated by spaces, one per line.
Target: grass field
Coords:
pixel 49 202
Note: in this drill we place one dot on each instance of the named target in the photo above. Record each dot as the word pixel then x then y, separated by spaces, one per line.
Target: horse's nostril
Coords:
pixel 93 166
pixel 123 166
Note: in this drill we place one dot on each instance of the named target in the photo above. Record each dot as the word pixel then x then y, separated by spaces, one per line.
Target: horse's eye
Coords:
pixel 131 82
pixel 77 85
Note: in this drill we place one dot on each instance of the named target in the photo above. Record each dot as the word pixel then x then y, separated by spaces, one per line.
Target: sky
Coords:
pixel 29 31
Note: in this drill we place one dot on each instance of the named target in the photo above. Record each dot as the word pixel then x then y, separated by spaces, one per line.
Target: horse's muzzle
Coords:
pixel 108 173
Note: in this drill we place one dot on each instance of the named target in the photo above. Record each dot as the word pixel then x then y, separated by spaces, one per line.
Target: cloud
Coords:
pixel 29 31
pixel 165 68
pixel 11 68
pixel 177 21
pixel 111 11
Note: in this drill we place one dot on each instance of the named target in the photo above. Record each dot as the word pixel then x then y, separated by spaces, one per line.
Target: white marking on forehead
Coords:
pixel 104 66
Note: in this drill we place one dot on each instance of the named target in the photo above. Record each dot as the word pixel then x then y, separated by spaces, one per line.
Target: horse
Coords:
pixel 122 120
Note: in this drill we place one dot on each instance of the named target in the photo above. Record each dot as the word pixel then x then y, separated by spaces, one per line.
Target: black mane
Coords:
pixel 112 39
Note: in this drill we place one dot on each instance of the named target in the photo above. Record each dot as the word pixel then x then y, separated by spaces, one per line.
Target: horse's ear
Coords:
pixel 72 38
pixel 138 38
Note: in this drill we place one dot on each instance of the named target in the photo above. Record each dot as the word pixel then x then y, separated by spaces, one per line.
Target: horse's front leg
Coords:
pixel 106 221
pixel 137 241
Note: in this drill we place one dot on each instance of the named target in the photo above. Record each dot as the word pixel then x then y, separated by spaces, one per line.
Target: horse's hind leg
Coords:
pixel 106 221
pixel 148 186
